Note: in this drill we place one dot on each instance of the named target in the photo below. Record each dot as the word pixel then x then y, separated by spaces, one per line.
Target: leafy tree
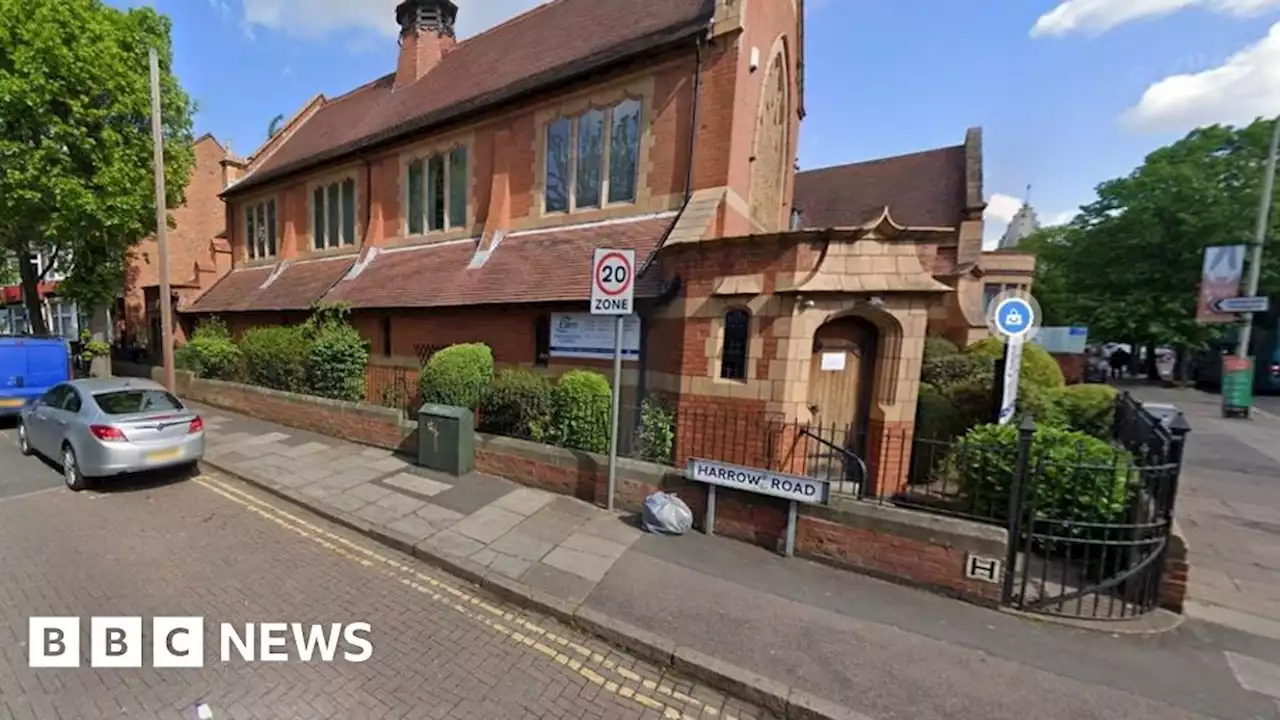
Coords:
pixel 75 139
pixel 1128 265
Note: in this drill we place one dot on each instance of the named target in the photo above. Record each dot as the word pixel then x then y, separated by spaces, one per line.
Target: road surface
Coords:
pixel 211 547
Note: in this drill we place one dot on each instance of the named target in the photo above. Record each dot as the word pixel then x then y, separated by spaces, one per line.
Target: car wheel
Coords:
pixel 23 444
pixel 71 470
pixel 189 470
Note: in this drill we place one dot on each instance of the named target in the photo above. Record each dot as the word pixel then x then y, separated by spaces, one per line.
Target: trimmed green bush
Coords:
pixel 276 356
pixel 949 370
pixel 1038 366
pixel 657 432
pixel 1089 408
pixel 337 361
pixel 458 375
pixel 210 353
pixel 936 346
pixel 580 409
pixel 937 418
pixel 517 404
pixel 974 400
pixel 1073 476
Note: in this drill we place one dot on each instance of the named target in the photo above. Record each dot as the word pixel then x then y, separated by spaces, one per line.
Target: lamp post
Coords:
pixel 1260 235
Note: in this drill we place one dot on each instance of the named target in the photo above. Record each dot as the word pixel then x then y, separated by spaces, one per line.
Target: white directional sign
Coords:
pixel 613 282
pixel 1258 304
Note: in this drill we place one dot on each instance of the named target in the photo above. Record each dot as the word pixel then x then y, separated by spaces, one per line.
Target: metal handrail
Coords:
pixel 846 452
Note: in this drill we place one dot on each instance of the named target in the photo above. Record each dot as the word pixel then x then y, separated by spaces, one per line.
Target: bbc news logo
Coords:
pixel 178 642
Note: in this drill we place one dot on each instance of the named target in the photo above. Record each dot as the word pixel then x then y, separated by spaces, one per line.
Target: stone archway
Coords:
pixel 868 410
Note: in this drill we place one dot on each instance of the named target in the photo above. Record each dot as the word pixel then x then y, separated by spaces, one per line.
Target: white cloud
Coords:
pixel 1246 86
pixel 1000 210
pixel 1061 218
pixel 1098 16
pixel 314 19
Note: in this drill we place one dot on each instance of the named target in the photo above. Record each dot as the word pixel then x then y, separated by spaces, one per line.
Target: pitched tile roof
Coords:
pixel 297 287
pixel 541 266
pixel 545 45
pixel 924 189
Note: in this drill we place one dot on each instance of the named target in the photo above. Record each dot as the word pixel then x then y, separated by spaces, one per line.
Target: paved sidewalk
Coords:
pixel 793 630
pixel 1229 510
pixel 555 544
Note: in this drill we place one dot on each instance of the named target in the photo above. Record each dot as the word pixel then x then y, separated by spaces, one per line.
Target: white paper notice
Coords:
pixel 832 361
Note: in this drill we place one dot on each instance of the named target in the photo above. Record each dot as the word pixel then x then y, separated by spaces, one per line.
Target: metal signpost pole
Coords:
pixel 613 293
pixel 613 411
pixel 1260 236
pixel 162 222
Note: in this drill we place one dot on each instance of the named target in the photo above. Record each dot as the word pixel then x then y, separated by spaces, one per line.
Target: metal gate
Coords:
pixel 1088 535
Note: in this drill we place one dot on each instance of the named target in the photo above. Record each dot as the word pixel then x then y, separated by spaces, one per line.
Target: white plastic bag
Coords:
pixel 666 514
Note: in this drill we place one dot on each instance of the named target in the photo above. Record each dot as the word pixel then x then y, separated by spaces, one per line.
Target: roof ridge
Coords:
pixel 366 86
pixel 873 161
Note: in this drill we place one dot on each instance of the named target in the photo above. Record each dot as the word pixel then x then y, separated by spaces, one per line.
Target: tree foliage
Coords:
pixel 1128 265
pixel 75 138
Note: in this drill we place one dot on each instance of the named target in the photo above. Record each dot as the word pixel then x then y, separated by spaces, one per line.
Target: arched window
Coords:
pixel 733 354
pixel 771 147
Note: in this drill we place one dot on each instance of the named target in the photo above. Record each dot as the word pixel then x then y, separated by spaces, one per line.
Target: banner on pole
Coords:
pixel 1219 280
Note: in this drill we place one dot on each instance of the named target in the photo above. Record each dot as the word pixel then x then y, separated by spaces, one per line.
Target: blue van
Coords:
pixel 29 366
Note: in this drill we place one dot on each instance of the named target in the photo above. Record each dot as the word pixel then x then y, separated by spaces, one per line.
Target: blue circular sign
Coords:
pixel 1014 317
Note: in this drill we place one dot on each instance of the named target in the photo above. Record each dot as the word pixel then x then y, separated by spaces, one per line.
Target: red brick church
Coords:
pixel 459 198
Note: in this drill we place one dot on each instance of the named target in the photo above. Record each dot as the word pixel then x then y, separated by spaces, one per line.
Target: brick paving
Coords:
pixel 212 547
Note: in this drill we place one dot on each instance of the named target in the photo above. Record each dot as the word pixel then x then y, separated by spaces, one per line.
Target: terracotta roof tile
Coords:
pixel 526 53
pixel 924 189
pixel 298 287
pixel 546 266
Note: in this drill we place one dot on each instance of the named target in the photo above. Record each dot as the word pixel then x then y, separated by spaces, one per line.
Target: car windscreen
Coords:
pixel 128 402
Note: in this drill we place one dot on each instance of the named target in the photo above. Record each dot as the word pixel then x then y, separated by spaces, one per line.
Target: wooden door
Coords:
pixel 839 374
pixel 837 377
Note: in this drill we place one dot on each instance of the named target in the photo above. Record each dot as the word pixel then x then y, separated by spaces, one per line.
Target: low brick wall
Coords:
pixel 357 422
pixel 1173 587
pixel 889 542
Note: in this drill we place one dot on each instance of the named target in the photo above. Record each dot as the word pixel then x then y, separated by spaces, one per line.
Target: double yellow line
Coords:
pixel 648 692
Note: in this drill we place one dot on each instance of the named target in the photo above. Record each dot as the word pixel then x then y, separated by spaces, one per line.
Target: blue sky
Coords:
pixel 1069 92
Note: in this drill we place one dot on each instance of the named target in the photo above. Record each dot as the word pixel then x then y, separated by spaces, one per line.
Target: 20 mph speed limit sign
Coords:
pixel 613 282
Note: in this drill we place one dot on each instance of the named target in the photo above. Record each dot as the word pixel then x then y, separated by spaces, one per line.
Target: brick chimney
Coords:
pixel 426 35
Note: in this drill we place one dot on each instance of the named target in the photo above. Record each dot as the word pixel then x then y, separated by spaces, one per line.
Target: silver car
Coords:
pixel 105 427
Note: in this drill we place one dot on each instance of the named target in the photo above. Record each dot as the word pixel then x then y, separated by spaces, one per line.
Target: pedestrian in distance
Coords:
pixel 1119 360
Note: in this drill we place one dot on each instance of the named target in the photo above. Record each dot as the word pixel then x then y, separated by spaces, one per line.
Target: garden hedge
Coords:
pixel 210 353
pixel 517 404
pixel 580 405
pixel 458 375
pixel 1073 476
pixel 276 356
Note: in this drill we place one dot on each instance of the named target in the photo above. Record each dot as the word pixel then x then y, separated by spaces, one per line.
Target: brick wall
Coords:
pixel 367 424
pixel 511 135
pixel 192 254
pixel 889 542
pixel 1173 586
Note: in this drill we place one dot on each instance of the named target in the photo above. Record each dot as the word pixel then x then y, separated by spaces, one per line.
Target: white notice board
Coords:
pixel 587 336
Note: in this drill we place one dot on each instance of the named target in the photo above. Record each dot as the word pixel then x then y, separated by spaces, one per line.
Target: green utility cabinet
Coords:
pixel 447 439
